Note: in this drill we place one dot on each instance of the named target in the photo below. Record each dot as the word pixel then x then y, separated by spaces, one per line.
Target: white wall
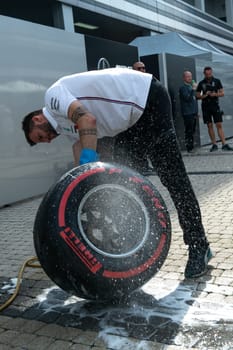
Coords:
pixel 32 57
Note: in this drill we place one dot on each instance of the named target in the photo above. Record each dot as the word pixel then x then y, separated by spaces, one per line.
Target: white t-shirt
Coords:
pixel 115 96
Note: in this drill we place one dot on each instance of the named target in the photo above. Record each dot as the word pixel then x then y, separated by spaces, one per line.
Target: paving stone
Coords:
pixel 213 288
pixel 215 297
pixel 4 320
pixel 23 340
pixel 84 347
pixel 59 332
pixel 227 273
pixel 225 264
pixel 15 323
pixel 89 323
pixel 6 347
pixel 13 311
pixel 40 343
pixel 43 284
pixel 31 326
pixel 86 338
pixel 27 283
pixel 99 342
pixel 215 272
pixel 229 299
pixel 49 317
pixel 8 336
pixel 173 275
pixel 33 313
pixel 60 345
pixel 23 300
pixel 68 320
pixel 226 281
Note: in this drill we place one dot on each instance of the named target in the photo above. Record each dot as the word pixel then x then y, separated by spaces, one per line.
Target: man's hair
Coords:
pixel 186 71
pixel 207 68
pixel 28 124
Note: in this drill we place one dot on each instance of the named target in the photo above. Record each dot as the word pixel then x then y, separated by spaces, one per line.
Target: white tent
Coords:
pixel 176 44
pixel 217 54
pixel 208 46
pixel 173 43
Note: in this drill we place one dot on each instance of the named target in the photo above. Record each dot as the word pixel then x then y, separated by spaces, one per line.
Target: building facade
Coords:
pixel 42 40
pixel 124 20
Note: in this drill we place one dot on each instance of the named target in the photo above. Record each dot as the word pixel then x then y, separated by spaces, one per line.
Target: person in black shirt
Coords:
pixel 189 108
pixel 208 91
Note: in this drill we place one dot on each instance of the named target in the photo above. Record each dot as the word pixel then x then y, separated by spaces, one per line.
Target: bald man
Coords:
pixel 189 108
pixel 140 66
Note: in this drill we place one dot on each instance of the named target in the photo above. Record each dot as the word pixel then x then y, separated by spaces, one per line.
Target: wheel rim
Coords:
pixel 113 220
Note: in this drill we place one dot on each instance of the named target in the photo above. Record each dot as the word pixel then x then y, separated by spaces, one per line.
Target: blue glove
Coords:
pixel 87 156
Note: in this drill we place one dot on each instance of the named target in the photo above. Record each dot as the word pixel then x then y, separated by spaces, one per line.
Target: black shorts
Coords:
pixel 211 113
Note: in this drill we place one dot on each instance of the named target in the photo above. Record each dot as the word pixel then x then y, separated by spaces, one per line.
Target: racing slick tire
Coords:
pixel 102 231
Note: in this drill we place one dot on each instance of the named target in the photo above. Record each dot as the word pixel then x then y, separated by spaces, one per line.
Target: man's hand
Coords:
pixel 201 96
pixel 194 86
pixel 218 93
pixel 88 156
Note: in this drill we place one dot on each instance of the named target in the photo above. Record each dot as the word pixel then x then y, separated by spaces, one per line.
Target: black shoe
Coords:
pixel 226 147
pixel 214 148
pixel 199 256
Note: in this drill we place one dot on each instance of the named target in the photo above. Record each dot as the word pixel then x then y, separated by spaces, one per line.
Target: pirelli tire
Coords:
pixel 102 231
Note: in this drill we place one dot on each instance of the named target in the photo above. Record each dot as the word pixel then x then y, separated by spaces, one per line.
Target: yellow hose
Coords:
pixel 28 263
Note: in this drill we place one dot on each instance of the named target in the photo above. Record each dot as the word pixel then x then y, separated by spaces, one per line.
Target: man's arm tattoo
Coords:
pixel 78 113
pixel 83 132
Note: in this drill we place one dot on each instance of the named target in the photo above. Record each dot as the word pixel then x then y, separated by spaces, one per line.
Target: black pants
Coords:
pixel 154 135
pixel 189 130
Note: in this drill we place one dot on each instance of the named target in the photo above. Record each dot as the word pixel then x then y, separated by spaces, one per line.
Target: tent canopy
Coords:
pixel 176 44
pixel 210 47
pixel 173 43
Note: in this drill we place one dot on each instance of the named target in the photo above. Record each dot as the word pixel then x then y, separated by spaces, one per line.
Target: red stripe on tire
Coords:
pixel 141 268
pixel 69 189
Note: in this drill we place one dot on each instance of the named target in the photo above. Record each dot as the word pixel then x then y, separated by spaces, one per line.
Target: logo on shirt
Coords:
pixel 54 103
pixel 70 129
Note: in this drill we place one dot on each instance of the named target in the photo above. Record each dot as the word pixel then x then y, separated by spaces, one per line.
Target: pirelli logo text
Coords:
pixel 80 250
